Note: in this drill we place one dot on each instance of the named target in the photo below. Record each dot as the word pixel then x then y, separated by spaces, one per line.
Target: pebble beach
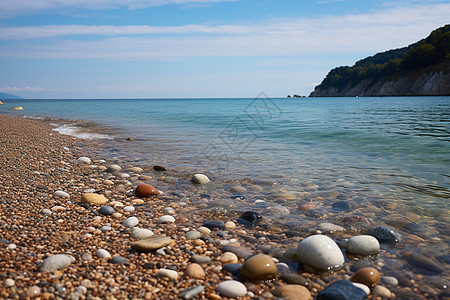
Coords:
pixel 74 225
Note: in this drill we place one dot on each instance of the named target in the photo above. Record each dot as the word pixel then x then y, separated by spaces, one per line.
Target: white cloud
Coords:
pixel 357 33
pixel 22 89
pixel 10 8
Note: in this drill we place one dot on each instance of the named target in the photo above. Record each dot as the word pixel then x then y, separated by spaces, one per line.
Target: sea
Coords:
pixel 382 158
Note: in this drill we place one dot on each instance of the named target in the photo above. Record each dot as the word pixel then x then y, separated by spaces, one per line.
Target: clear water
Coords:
pixel 360 149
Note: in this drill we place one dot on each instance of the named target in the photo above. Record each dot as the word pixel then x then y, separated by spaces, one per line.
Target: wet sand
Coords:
pixel 36 223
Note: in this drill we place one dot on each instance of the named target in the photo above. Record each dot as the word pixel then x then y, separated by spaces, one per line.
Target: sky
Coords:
pixel 196 48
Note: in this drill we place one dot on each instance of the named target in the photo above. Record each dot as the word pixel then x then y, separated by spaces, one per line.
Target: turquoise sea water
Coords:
pixel 361 150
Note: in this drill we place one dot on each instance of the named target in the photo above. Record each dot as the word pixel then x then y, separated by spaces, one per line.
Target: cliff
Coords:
pixel 421 69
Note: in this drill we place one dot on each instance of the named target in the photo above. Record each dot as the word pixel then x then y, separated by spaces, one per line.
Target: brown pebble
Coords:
pixel 368 276
pixel 292 292
pixel 259 268
pixel 145 190
pixel 196 271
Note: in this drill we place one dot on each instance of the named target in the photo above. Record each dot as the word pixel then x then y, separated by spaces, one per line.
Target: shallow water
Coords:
pixel 381 156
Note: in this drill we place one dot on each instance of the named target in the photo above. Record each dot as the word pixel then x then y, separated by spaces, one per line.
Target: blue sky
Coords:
pixel 196 48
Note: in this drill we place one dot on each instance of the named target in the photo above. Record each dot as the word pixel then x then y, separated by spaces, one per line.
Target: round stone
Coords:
pixel 136 170
pixel 102 253
pixel 56 262
pixel 128 208
pixel 196 271
pixel 230 225
pixel 364 287
pixel 389 280
pixel 119 260
pixel 145 190
pixel 204 230
pixel 93 199
pixel 12 246
pixel 229 258
pixel 141 233
pixel 61 194
pixel 329 227
pixel 106 210
pixel 382 292
pixel 113 168
pixel 83 161
pixel 33 291
pixel 368 276
pixel 363 245
pixel 151 244
pixel 193 235
pixel 171 274
pixel 259 268
pixel 200 179
pixel 46 211
pixel 320 252
pixel 165 219
pixel 292 292
pixel 130 222
pixel 9 282
pixel 232 289
pixel 384 234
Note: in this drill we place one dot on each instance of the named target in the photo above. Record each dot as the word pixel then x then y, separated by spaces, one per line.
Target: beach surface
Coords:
pixel 57 242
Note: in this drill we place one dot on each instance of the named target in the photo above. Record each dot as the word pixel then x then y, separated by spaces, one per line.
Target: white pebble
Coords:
pixel 171 274
pixel 61 194
pixel 12 246
pixel 141 233
pixel 9 282
pixel 200 179
pixel 56 262
pixel 363 245
pixel 364 287
pixel 83 161
pixel 130 222
pixel 128 208
pixel 232 289
pixel 102 253
pixel 46 211
pixel 165 219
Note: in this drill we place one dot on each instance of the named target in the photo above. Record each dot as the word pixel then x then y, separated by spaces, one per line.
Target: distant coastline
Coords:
pixel 5 96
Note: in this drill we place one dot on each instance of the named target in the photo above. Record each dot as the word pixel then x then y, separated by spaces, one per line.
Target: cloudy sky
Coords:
pixel 196 48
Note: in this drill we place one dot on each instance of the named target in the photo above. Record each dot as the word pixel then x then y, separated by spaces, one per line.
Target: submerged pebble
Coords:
pixel 320 252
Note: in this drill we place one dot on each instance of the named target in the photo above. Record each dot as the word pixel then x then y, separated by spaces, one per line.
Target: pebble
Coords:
pixel 171 274
pixel 196 271
pixel 384 234
pixel 214 224
pixel 152 243
pixel 86 256
pixel 145 190
pixel 389 280
pixel 61 194
pixel 293 278
pixel 362 286
pixel 113 168
pixel 292 292
pixel 381 291
pixel 230 225
pixel 199 259
pixel 200 179
pixel 232 289
pixel 33 291
pixel 329 227
pixel 119 260
pixel 12 246
pixel 130 222
pixel 251 217
pixel 56 262
pixel 204 230
pixel 341 290
pixel 368 276
pixel 320 252
pixel 191 293
pixel 193 235
pixel 106 210
pixel 46 211
pixel 83 161
pixel 423 263
pixel 128 208
pixel 141 233
pixel 363 245
pixel 9 282
pixel 259 268
pixel 160 168
pixel 105 228
pixel 165 219
pixel 102 253
pixel 229 258
pixel 239 251
pixel 93 199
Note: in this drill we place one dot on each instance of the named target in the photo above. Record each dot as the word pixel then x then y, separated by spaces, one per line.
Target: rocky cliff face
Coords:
pixel 418 83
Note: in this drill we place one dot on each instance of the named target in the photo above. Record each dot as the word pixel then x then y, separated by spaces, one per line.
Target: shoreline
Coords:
pixel 35 165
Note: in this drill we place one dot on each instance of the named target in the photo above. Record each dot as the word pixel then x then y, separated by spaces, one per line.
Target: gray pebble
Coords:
pixel 190 293
pixel 119 260
pixel 200 259
pixel 193 235
pixel 130 222
pixel 106 210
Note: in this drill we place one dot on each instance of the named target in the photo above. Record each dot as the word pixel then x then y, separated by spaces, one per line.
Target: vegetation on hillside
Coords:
pixel 431 51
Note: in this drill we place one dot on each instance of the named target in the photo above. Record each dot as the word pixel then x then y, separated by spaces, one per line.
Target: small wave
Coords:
pixel 75 131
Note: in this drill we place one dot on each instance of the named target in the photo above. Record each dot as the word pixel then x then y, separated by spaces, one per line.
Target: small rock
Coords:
pixel 128 208
pixel 204 230
pixel 113 168
pixel 232 289
pixel 151 244
pixel 251 217
pixel 61 194
pixel 196 271
pixel 141 233
pixel 12 246
pixel 145 190
pixel 199 259
pixel 83 161
pixel 320 252
pixel 193 235
pixel 214 224
pixel 239 251
pixel 259 268
pixel 229 258
pixel 33 291
pixel 363 245
pixel 86 256
pixel 102 253
pixel 119 260
pixel 46 211
pixel 230 225
pixel 200 179
pixel 191 293
pixel 362 286
pixel 9 282
pixel 423 263
pixel 381 291
pixel 171 274
pixel 389 280
pixel 293 278
pixel 292 292
pixel 165 219
pixel 342 290
pixel 136 170
pixel 368 276
pixel 106 210
pixel 93 199
pixel 130 222
pixel 384 234
pixel 329 227
pixel 56 262
pixel 160 168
